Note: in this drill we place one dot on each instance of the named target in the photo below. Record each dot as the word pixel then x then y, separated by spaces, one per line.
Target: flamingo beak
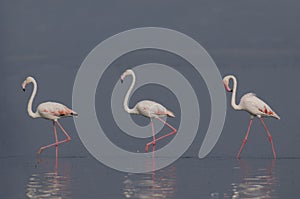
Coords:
pixel 122 77
pixel 24 85
pixel 227 87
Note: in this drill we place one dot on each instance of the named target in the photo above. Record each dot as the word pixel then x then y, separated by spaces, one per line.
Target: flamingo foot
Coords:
pixel 40 151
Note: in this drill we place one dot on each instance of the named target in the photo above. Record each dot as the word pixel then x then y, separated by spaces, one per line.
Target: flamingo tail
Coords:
pixel 170 114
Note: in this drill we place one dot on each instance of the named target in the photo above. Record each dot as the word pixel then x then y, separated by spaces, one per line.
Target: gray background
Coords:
pixel 258 41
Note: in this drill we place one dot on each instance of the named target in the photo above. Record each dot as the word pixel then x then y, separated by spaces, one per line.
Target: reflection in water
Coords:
pixel 259 183
pixel 157 184
pixel 49 184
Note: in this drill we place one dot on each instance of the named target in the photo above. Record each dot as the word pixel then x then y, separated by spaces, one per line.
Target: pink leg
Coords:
pixel 56 143
pixel 153 135
pixel 245 139
pixel 170 126
pixel 55 134
pixel 270 137
pixel 67 135
pixel 164 136
pixel 56 159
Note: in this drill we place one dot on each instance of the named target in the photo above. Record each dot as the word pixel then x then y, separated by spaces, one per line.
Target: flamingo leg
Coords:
pixel 153 135
pixel 64 131
pixel 164 136
pixel 56 138
pixel 270 137
pixel 245 139
pixel 55 134
pixel 56 160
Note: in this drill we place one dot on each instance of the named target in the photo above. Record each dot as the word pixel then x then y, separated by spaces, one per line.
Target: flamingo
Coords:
pixel 48 110
pixel 254 106
pixel 149 109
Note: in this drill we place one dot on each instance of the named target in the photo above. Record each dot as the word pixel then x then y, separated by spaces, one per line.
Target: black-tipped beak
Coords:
pixel 23 89
pixel 231 90
pixel 121 80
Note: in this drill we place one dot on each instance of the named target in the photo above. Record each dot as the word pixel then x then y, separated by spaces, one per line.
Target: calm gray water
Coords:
pixel 189 177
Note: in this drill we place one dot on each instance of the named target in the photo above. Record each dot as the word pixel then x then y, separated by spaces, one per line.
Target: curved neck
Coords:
pixel 29 105
pixel 127 109
pixel 233 96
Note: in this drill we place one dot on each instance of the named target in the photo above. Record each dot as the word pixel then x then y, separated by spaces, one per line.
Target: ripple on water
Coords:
pixel 48 185
pixel 160 184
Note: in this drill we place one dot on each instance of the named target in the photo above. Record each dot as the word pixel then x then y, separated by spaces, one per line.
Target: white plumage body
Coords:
pixel 256 107
pixel 151 109
pixel 53 110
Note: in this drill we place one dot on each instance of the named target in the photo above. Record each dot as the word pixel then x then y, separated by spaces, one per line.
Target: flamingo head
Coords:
pixel 27 81
pixel 127 72
pixel 226 83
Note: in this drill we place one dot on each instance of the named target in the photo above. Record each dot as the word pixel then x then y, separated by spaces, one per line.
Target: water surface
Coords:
pixel 189 177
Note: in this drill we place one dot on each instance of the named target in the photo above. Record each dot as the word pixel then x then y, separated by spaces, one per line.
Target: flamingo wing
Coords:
pixel 54 110
pixel 152 109
pixel 256 106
